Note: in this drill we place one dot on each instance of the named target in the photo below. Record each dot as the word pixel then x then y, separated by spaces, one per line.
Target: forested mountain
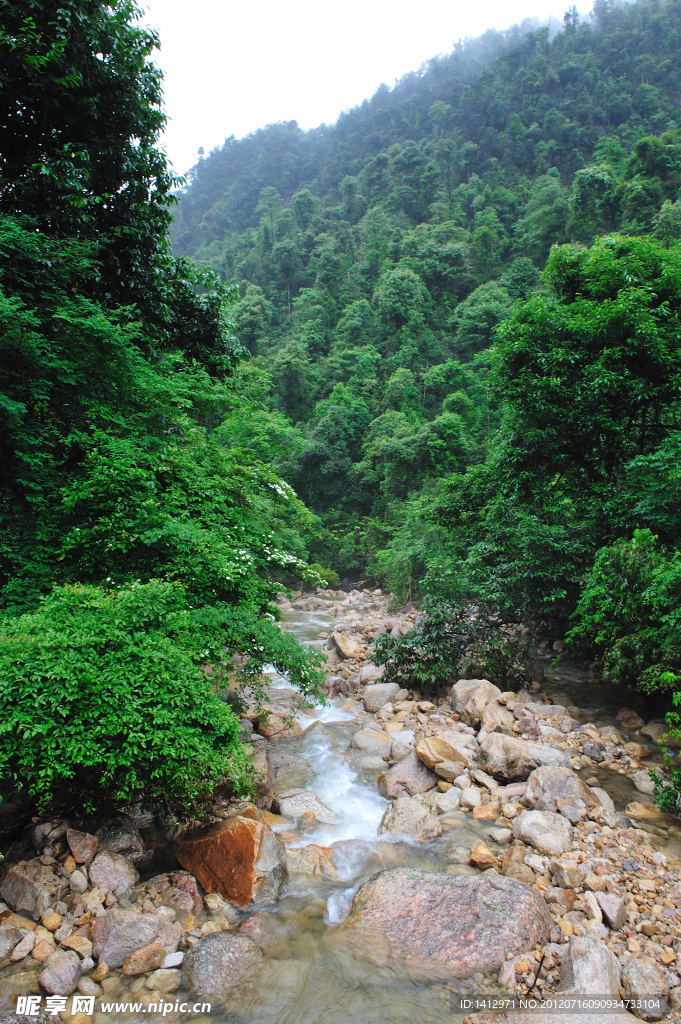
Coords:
pixel 375 257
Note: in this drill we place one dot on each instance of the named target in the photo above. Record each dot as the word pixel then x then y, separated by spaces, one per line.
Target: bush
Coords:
pixel 629 613
pixel 104 700
pixel 329 577
pixel 453 639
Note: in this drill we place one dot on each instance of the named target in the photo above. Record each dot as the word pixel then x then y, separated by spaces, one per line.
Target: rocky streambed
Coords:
pixel 403 854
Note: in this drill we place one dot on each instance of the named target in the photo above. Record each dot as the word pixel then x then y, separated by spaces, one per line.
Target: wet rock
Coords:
pixel 629 720
pixel 148 958
pixel 62 973
pixel 112 872
pixel 509 759
pixel 549 833
pixel 643 782
pixel 642 980
pixel 549 783
pixel 311 860
pixel 218 963
pixel 426 925
pixel 294 803
pixel 9 939
pixel 82 845
pixel 378 694
pixel 241 859
pixel 348 648
pixel 589 968
pixel 279 727
pixel 119 932
pixel 165 980
pixel 613 908
pixel 659 733
pixel 481 856
pixel 170 933
pixel 603 800
pixel 372 741
pixel 410 817
pixel 31 888
pixel 407 777
pixel 20 984
pixel 179 900
pixel 121 835
pixel 289 766
pixel 79 944
pixel 436 749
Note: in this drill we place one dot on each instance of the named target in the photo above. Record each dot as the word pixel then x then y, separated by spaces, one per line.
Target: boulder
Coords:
pixel 294 803
pixel 509 759
pixel 378 694
pixel 62 973
pixel 589 968
pixel 411 818
pixel 30 888
pixel 643 782
pixel 218 963
pixel 241 859
pixel 120 834
pixel 659 733
pixel 82 845
pixel 629 720
pixel 311 860
pixel 289 766
pixel 496 717
pixel 407 777
pixel 119 932
pixel 448 770
pixel 279 727
pixel 478 701
pixel 643 980
pixel 264 772
pixel 436 749
pixel 462 691
pixel 348 648
pixel 429 926
pixel 372 741
pixel 603 800
pixel 549 783
pixel 112 872
pixel 370 673
pixel 548 833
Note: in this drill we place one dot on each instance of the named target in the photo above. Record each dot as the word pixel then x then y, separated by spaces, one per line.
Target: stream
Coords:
pixel 303 979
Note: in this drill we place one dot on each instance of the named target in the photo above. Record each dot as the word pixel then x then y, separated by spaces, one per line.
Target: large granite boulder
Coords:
pixel 427 926
pixel 373 741
pixel 436 749
pixel 510 759
pixel 589 969
pixel 549 833
pixel 218 963
pixel 407 777
pixel 294 803
pixel 30 888
pixel 469 697
pixel 240 859
pixel 644 980
pixel 120 834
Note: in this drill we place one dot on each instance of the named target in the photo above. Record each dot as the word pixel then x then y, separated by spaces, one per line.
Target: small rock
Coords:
pixel 23 948
pixel 148 958
pixel 112 872
pixel 79 944
pixel 87 987
pixel 165 980
pixel 78 882
pixel 82 845
pixel 643 782
pixel 482 857
pixel 120 834
pixel 448 801
pixel 62 973
pixel 510 759
pixel 593 911
pixel 614 910
pixel 9 937
pixel 589 969
pixel 100 972
pixel 348 648
pixel 119 932
pixel 294 803
pixel 172 960
pixel 550 783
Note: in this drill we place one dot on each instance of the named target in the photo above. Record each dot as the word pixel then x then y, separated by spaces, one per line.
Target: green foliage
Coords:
pixel 453 639
pixel 105 701
pixel 629 613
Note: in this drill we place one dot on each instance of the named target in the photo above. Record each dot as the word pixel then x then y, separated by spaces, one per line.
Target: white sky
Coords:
pixel 231 68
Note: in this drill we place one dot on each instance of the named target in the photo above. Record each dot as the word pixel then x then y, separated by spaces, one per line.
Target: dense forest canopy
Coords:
pixel 473 402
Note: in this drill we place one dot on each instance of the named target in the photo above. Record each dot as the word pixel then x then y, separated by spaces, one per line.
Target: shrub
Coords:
pixel 104 700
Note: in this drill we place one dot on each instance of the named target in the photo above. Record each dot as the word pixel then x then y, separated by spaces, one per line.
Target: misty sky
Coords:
pixel 231 68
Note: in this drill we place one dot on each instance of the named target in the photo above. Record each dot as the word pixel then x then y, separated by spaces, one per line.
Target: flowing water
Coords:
pixel 303 978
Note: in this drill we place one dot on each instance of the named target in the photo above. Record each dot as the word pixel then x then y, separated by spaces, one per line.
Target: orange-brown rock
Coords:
pixel 240 859
pixel 311 860
pixel 279 727
pixel 148 958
